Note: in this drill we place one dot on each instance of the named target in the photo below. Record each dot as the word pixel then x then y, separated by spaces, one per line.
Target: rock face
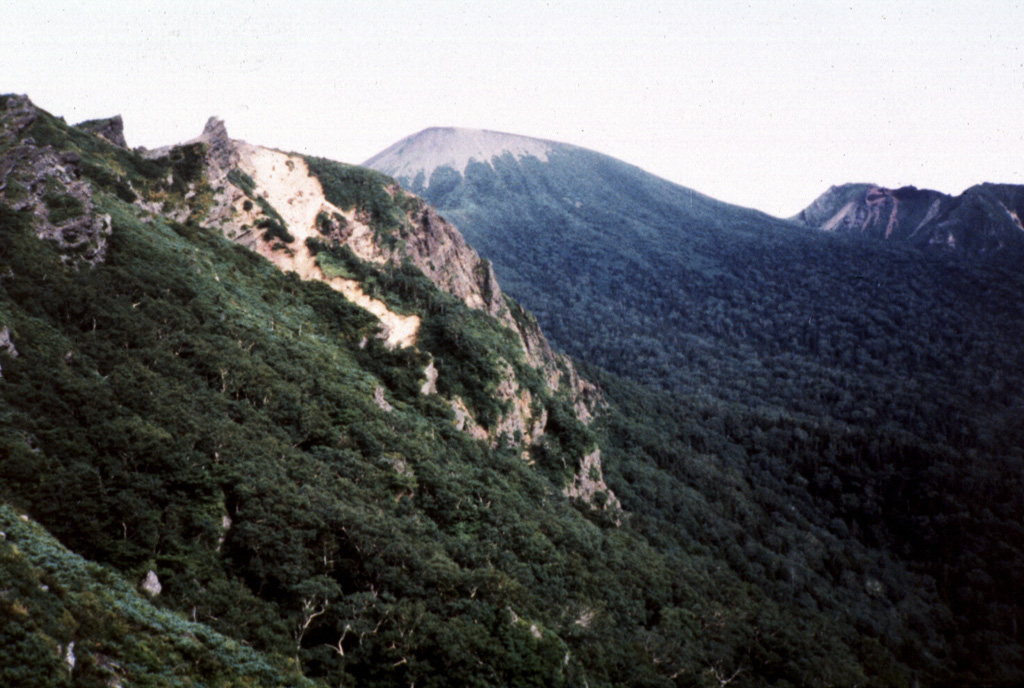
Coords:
pixel 589 484
pixel 222 154
pixel 49 184
pixel 7 347
pixel 983 221
pixel 110 129
pixel 439 250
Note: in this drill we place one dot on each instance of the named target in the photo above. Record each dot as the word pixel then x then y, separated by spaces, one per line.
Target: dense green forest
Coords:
pixel 186 408
pixel 674 289
pixel 726 305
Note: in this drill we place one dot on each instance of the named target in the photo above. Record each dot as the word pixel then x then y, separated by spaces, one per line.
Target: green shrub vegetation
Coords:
pixel 350 186
pixel 63 207
pixel 152 399
pixel 55 605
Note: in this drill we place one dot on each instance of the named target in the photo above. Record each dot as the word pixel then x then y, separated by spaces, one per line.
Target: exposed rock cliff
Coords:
pixel 984 220
pixel 589 486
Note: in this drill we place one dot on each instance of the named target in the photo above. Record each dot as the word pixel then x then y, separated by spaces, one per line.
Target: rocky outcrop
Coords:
pixel 380 401
pixel 588 484
pixel 48 184
pixel 151 584
pixel 17 113
pixel 6 345
pixel 222 154
pixel 525 421
pixel 983 221
pixel 439 250
pixel 110 129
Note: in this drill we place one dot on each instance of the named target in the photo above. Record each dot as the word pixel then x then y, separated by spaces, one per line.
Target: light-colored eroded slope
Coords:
pixel 285 182
pixel 453 147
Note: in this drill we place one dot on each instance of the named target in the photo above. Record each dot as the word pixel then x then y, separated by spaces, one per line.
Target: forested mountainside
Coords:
pixel 724 307
pixel 672 288
pixel 267 420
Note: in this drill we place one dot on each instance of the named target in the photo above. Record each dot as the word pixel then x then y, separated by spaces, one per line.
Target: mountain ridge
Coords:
pixel 983 222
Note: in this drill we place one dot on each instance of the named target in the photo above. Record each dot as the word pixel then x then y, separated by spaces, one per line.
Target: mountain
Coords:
pixel 742 318
pixel 983 222
pixel 658 282
pixel 414 159
pixel 577 236
pixel 267 419
pixel 189 330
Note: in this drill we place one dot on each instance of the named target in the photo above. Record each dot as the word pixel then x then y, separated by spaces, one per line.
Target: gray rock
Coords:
pixel 6 345
pixel 222 154
pixel 378 398
pixel 151 584
pixel 69 656
pixel 16 115
pixel 29 178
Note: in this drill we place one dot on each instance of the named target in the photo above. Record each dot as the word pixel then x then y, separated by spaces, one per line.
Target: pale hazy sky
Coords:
pixel 763 104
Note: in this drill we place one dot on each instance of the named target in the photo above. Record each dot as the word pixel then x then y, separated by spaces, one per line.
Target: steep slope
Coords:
pixel 610 258
pixel 312 209
pixel 983 222
pixel 164 283
pixel 302 484
pixel 674 289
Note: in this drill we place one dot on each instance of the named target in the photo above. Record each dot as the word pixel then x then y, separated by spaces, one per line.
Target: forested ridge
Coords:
pixel 316 518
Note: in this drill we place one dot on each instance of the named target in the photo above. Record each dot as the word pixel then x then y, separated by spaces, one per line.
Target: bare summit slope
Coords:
pixel 453 147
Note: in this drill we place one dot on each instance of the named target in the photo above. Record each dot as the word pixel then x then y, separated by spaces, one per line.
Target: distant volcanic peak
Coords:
pixel 454 147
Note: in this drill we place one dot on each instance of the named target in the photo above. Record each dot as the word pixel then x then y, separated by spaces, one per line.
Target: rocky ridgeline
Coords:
pixel 48 183
pixel 245 186
pixel 984 221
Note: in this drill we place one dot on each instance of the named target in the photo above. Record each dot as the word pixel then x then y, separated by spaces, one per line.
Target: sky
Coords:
pixel 763 104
